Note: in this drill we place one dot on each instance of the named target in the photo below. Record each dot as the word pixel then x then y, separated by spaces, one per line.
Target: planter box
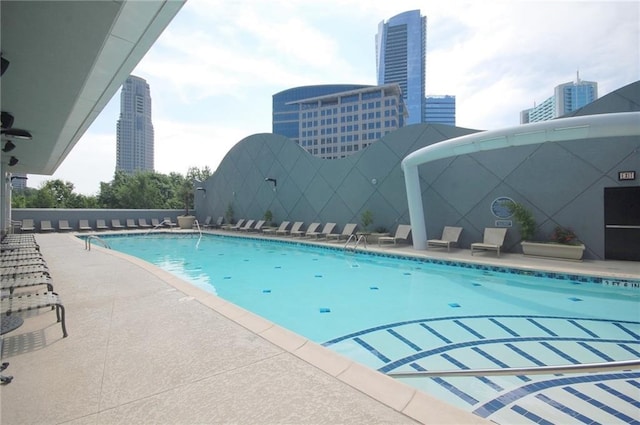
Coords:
pixel 553 250
pixel 186 221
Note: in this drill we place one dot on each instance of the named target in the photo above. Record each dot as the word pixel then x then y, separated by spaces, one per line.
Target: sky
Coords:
pixel 214 70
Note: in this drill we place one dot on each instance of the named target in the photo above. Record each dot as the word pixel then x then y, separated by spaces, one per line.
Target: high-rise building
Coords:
pixel 567 97
pixel 342 123
pixel 135 130
pixel 400 58
pixel 440 110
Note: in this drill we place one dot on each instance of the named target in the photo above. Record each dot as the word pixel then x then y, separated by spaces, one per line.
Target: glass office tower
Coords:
pixel 567 97
pixel 400 58
pixel 440 109
pixel 135 130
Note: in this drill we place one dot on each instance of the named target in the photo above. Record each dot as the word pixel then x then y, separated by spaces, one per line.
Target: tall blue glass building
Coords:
pixel 401 57
pixel 567 97
pixel 440 110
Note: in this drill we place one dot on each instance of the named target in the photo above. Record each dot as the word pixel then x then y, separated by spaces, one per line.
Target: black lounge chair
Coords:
pixel 26 302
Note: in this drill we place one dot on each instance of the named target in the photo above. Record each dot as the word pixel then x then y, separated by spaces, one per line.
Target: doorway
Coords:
pixel 622 223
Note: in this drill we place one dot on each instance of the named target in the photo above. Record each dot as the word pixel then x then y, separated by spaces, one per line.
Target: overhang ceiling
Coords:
pixel 67 60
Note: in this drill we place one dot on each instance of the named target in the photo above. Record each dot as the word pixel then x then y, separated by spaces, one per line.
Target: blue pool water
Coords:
pixel 398 314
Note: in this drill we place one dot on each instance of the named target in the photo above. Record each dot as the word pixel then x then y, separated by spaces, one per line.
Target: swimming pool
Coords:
pixel 396 314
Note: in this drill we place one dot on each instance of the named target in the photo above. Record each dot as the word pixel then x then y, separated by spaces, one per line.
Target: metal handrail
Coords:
pixel 361 238
pixel 352 236
pixel 87 242
pixel 536 370
pixel 161 224
pixel 199 231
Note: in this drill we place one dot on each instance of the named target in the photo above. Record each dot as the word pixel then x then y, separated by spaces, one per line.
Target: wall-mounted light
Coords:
pixel 3 65
pixel 374 181
pixel 13 161
pixel 6 119
pixel 16 133
pixel 272 180
pixel 9 146
pixel 202 189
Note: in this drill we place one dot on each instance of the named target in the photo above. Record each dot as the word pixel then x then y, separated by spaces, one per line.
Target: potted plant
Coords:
pixel 268 217
pixel 563 243
pixel 366 219
pixel 228 214
pixel 186 194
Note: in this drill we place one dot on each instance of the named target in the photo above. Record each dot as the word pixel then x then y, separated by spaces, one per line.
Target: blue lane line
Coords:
pixel 434 332
pixel 505 327
pixel 526 355
pixel 405 340
pixel 547 330
pixel 635 403
pixel 531 416
pixel 492 406
pixel 600 405
pixel 566 409
pixel 451 388
pixel 468 329
pixel 597 352
pixel 559 352
pixel 629 331
pixel 498 362
pixel 463 366
pixel 372 350
pixel 582 328
pixel 629 349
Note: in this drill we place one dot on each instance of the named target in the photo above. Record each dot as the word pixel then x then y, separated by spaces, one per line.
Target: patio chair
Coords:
pixel 84 225
pixel 27 225
pixel 33 301
pixel 26 282
pixel 207 222
pixel 348 230
pixel 238 224
pixel 247 225
pixel 142 222
pixel 167 222
pixel 64 225
pixel 155 222
pixel 115 224
pixel 281 229
pixel 257 227
pixel 45 226
pixel 131 224
pixel 450 236
pixel 217 224
pixel 492 240
pixel 402 234
pixel 328 228
pixel 101 225
pixel 296 228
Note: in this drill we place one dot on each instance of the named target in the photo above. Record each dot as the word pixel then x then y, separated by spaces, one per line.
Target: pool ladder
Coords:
pixel 87 242
pixel 357 239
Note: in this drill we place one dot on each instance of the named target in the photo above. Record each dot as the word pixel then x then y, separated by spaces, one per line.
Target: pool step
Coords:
pixel 472 342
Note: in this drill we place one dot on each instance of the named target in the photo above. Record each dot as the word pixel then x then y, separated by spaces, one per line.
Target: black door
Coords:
pixel 622 223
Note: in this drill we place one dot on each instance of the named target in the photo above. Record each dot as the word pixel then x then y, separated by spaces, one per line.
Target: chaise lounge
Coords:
pixel 348 230
pixel 492 240
pixel 402 234
pixel 450 236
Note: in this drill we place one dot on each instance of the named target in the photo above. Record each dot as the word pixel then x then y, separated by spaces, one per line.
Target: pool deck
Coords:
pixel 147 347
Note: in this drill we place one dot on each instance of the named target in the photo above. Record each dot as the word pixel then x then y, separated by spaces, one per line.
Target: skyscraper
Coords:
pixel 567 98
pixel 440 109
pixel 400 58
pixel 135 130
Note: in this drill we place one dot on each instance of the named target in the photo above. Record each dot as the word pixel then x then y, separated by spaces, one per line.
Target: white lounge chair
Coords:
pixel 84 225
pixel 115 224
pixel 348 230
pixel 247 225
pixel 131 224
pixel 238 225
pixel 101 225
pixel 45 226
pixel 492 240
pixel 142 222
pixel 27 225
pixel 167 222
pixel 313 228
pixel 402 234
pixel 257 227
pixel 64 225
pixel 281 229
pixel 295 229
pixel 328 228
pixel 450 236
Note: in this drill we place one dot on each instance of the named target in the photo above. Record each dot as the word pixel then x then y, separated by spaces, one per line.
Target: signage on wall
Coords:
pixel 499 208
pixel 626 175
pixel 504 223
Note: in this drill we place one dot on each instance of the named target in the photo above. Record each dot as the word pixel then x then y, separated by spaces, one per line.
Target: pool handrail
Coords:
pixel 535 370
pixel 88 239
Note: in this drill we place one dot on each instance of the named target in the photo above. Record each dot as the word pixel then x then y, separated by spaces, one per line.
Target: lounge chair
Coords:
pixel 281 229
pixel 312 227
pixel 402 234
pixel 247 225
pixel 64 225
pixel 101 225
pixel 131 224
pixel 27 225
pixel 492 240
pixel 450 236
pixel 33 301
pixel 328 228
pixel 115 224
pixel 45 226
pixel 348 230
pixel 238 225
pixel 296 228
pixel 167 222
pixel 142 222
pixel 26 282
pixel 84 225
pixel 207 222
pixel 217 224
pixel 155 222
pixel 257 227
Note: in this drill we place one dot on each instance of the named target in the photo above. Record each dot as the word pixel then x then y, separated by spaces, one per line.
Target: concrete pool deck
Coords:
pixel 146 347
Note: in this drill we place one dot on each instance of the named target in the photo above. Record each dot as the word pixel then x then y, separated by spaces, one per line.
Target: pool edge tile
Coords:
pixel 323 358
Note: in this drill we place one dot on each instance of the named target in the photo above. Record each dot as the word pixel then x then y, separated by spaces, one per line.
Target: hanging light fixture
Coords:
pixel 13 161
pixel 16 133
